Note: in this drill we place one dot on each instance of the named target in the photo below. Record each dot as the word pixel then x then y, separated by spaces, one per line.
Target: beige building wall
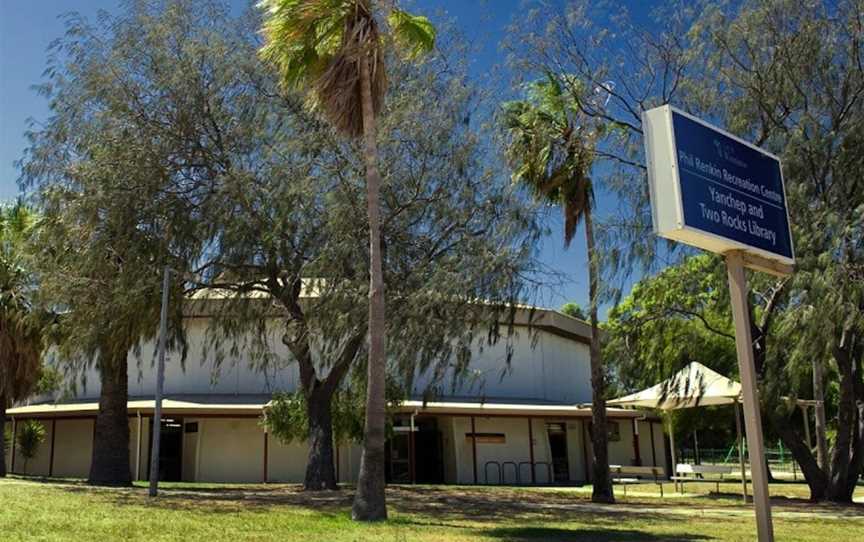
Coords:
pixel 544 366
pixel 448 448
pixel 657 456
pixel 661 444
pixel 231 450
pixel 287 462
pixel 621 451
pixel 515 448
pixel 349 462
pixel 575 450
pixel 188 468
pixel 73 448
pixel 139 449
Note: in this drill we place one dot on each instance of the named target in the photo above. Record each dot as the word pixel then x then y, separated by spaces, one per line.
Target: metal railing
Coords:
pixel 780 460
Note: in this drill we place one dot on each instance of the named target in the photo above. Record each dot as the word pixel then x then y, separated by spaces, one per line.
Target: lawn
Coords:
pixel 69 510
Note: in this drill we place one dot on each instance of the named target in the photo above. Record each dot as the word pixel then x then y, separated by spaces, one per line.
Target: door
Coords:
pixel 170 449
pixel 557 433
pixel 398 458
pixel 428 452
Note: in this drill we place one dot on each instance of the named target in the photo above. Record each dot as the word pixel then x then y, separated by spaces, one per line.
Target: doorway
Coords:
pixel 170 450
pixel 415 456
pixel 428 452
pixel 557 433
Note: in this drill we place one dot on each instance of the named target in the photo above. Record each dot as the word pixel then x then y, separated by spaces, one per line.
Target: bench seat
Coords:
pixel 626 475
pixel 696 473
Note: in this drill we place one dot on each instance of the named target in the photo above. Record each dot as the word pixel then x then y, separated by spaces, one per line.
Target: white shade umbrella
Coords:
pixel 693 386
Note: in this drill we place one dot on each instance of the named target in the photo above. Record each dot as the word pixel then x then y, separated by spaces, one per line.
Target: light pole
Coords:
pixel 160 381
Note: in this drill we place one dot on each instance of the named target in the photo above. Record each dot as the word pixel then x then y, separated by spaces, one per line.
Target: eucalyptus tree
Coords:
pixel 22 324
pixel 793 80
pixel 550 150
pixel 338 50
pixel 119 175
pixel 787 76
pixel 293 264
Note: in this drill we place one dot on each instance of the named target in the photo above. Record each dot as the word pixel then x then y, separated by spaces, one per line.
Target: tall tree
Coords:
pixel 22 326
pixel 550 149
pixel 115 175
pixel 786 75
pixel 337 48
pixel 292 261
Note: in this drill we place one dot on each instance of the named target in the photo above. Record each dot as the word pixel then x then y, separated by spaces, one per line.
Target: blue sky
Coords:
pixel 27 28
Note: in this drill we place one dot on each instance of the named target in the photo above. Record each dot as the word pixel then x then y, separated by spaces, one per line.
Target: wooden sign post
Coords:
pixel 714 191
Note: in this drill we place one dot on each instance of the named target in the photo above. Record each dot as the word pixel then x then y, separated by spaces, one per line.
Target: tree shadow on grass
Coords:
pixel 556 534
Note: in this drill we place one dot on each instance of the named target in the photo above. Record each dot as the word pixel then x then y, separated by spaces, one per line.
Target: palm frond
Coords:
pixel 301 37
pixel 548 149
pixel 414 33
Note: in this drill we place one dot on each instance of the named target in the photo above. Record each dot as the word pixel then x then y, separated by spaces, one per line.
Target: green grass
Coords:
pixel 34 510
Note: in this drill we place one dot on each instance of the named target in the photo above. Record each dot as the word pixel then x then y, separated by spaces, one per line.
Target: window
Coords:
pixel 487 438
pixel 614 431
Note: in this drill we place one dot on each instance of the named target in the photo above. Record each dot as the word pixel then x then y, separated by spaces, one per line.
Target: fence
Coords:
pixel 780 460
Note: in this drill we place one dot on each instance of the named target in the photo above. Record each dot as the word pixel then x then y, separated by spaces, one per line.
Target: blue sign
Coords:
pixel 729 188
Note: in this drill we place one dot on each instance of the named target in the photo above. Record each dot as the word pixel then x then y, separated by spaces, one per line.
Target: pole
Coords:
pixel 696 459
pixel 672 449
pixel 474 448
pixel 740 441
pixel 14 436
pixel 138 449
pixel 53 440
pixel 806 426
pixel 160 381
pixel 752 420
pixel 530 452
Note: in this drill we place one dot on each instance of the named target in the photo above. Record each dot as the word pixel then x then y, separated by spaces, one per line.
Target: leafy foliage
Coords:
pixel 678 316
pixel 573 309
pixel 786 75
pixel 287 415
pixel 22 323
pixel 550 149
pixel 319 44
pixel 119 196
pixel 31 435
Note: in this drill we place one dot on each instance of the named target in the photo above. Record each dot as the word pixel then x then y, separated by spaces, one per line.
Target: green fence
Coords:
pixel 780 461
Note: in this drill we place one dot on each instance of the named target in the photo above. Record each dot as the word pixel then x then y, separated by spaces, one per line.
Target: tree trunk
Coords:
pixel 846 425
pixel 3 435
pixel 110 463
pixel 819 415
pixel 816 478
pixel 856 463
pixel 369 502
pixel 320 470
pixel 602 482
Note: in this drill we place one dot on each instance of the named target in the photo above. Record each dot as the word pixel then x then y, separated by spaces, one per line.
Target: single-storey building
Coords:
pixel 522 423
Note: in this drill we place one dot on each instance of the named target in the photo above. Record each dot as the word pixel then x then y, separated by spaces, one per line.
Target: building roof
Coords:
pixel 203 304
pixel 253 405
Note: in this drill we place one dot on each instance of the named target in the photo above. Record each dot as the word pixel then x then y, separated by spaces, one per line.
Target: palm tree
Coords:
pixel 550 150
pixel 335 48
pixel 20 324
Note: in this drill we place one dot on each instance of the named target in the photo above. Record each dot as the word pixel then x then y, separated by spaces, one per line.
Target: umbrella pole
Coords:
pixel 740 450
pixel 672 450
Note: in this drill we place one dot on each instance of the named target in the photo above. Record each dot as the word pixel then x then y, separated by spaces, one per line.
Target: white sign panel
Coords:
pixel 713 190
